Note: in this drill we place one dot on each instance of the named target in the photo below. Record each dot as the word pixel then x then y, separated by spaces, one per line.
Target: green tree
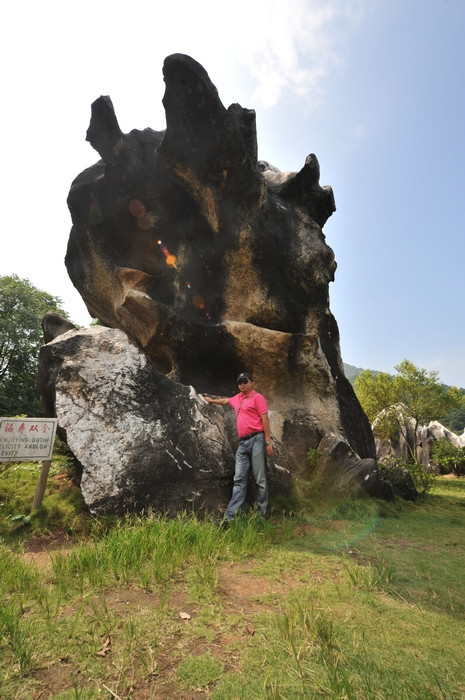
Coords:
pixel 455 420
pixel 22 307
pixel 411 398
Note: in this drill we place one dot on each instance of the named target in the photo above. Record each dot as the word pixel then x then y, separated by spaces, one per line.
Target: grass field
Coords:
pixel 355 599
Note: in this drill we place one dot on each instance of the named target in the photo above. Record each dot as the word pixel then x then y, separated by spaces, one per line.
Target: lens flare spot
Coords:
pixel 146 221
pixel 136 207
pixel 171 260
pixel 198 301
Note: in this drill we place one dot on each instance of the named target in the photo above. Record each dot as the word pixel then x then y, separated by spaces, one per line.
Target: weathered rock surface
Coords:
pixel 143 440
pixel 341 470
pixel 213 262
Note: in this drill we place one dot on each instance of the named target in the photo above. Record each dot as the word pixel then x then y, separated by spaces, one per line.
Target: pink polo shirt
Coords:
pixel 249 410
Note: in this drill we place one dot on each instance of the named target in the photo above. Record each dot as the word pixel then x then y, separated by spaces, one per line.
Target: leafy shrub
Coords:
pixel 423 480
pixel 448 457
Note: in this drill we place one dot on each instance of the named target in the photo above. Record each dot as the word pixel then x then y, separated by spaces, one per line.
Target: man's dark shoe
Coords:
pixel 223 523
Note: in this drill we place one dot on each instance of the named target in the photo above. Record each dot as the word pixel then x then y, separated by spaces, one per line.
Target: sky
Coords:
pixel 375 88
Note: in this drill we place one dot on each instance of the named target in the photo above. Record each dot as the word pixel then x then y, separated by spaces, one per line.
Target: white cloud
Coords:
pixel 297 45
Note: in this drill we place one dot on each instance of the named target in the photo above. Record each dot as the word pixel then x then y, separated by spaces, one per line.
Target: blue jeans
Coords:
pixel 250 453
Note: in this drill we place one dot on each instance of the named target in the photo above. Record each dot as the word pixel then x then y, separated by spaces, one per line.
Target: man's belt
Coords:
pixel 249 435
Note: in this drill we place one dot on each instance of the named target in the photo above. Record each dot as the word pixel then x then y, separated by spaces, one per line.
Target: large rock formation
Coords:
pixel 213 262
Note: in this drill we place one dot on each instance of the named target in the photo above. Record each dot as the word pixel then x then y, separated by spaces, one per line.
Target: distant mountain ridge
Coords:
pixel 352 372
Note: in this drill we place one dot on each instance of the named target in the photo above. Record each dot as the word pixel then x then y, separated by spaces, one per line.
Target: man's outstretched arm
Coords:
pixel 222 401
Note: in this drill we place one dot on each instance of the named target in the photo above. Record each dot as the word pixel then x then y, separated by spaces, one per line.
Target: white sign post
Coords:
pixel 30 439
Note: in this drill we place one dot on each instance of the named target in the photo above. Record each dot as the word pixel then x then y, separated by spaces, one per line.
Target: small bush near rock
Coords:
pixel 407 480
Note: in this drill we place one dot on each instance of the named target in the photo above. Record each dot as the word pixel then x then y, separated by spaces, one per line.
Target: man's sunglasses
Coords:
pixel 243 381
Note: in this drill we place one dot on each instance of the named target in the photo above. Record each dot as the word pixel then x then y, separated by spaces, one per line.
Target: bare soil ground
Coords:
pixel 240 591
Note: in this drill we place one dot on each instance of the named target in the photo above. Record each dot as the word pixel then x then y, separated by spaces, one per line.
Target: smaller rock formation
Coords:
pixel 421 443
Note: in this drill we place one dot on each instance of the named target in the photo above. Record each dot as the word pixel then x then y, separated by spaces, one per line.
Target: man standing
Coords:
pixel 253 427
